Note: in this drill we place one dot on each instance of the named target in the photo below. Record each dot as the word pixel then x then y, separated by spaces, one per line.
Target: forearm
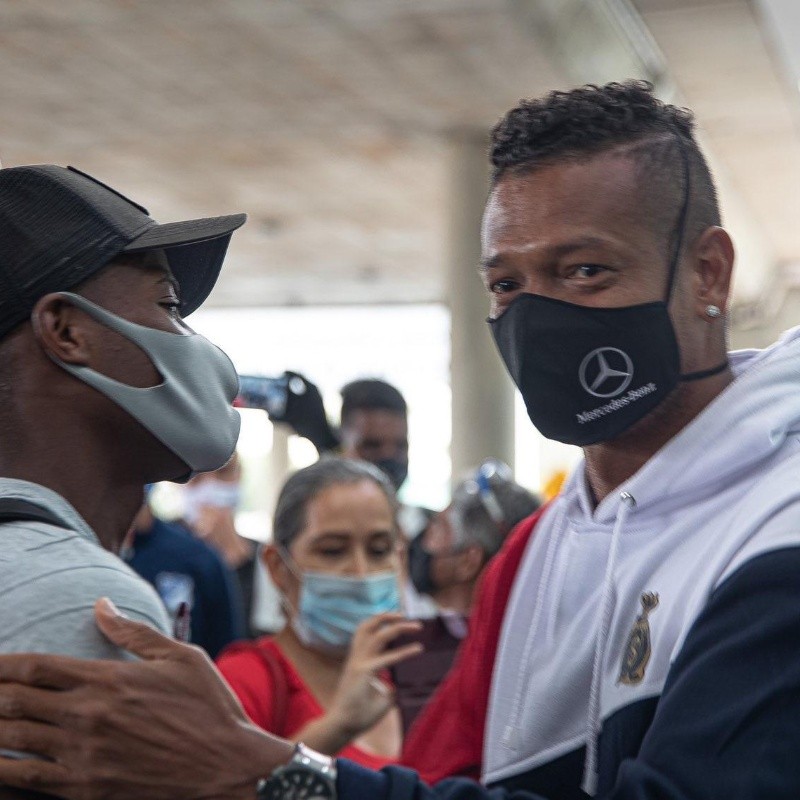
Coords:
pixel 326 734
pixel 259 754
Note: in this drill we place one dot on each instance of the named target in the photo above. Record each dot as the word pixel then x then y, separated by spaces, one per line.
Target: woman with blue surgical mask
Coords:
pixel 335 559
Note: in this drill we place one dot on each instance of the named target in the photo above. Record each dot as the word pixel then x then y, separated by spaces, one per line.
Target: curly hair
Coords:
pixel 625 117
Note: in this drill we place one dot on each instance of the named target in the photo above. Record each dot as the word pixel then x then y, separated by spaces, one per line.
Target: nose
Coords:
pixel 360 564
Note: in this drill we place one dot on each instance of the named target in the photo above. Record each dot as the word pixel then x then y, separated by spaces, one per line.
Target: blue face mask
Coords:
pixel 332 607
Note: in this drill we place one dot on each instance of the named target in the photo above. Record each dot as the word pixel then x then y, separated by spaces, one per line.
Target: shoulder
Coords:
pixel 47 596
pixel 248 658
pixel 256 672
pixel 778 531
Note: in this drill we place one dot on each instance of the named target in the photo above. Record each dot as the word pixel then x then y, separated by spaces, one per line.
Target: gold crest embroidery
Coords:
pixel 637 649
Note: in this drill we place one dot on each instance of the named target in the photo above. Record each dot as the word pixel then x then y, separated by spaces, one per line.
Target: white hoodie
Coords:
pixel 724 490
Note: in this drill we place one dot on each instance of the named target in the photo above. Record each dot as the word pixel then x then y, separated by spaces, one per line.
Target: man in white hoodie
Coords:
pixel 649 646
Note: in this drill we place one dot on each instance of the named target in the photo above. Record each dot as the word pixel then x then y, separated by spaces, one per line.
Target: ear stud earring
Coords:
pixel 713 311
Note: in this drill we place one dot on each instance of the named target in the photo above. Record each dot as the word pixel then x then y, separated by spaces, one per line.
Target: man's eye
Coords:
pixel 503 286
pixel 588 270
pixel 173 306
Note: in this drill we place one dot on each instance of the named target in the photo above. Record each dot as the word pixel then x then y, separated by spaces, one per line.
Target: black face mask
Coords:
pixel 420 562
pixel 394 469
pixel 588 374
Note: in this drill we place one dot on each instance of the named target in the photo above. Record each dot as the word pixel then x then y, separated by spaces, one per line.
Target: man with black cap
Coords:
pixel 103 388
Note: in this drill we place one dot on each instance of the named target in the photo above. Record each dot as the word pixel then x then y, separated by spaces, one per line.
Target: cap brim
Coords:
pixel 175 234
pixel 195 250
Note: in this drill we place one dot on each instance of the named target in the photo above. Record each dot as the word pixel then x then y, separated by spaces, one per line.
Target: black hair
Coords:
pixel 585 122
pixel 371 394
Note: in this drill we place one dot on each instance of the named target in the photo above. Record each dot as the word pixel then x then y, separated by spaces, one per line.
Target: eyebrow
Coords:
pixel 342 536
pixel 553 251
pixel 172 281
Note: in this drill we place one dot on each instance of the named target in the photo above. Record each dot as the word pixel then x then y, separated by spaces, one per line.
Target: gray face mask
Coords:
pixel 191 411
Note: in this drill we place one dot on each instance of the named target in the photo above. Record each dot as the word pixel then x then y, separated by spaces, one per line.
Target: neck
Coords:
pixel 457 597
pixel 610 464
pixel 315 661
pixel 72 460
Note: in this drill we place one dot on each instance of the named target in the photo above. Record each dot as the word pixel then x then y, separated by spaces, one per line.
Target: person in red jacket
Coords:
pixel 335 560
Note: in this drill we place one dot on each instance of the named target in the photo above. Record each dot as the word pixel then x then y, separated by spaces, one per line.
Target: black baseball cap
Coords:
pixel 58 226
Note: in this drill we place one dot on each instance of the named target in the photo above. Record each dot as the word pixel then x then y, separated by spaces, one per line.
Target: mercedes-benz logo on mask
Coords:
pixel 606 372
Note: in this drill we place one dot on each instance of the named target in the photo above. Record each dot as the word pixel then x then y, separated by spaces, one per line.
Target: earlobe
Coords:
pixel 58 329
pixel 715 256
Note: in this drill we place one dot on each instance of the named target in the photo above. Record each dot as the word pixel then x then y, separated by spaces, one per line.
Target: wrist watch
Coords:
pixel 308 775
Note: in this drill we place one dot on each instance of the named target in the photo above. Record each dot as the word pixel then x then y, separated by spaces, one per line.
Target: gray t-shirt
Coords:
pixel 50 578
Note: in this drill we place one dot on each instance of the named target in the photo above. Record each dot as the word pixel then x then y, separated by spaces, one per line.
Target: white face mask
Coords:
pixel 210 492
pixel 191 411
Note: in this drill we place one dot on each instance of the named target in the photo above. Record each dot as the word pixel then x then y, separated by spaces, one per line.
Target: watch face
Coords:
pixel 296 783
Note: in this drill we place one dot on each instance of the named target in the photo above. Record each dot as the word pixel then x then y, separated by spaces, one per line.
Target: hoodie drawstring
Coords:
pixel 608 600
pixel 511 731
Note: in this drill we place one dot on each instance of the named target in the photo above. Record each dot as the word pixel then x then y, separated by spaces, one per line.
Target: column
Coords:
pixel 483 394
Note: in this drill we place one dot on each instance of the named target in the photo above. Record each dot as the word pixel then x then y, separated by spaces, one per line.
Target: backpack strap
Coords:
pixel 13 509
pixel 280 686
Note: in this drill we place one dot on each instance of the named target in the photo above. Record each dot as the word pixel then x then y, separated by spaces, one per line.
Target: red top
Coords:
pixel 446 739
pixel 252 682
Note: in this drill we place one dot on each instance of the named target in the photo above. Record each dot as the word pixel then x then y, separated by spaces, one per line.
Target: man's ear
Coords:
pixel 61 329
pixel 714 269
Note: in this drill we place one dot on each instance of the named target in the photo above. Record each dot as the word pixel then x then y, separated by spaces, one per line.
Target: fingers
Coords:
pixel 391 630
pixel 135 637
pixel 380 687
pixel 392 657
pixel 30 737
pixel 34 775
pixel 375 623
pixel 45 671
pixel 24 702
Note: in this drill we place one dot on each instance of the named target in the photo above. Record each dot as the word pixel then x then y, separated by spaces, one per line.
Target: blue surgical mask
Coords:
pixel 332 607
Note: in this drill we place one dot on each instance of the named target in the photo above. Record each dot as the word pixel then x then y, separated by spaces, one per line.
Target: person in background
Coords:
pixel 211 500
pixel 197 588
pixel 374 428
pixel 446 561
pixel 335 561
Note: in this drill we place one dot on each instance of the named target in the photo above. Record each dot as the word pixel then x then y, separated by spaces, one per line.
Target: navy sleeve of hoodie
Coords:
pixel 727 726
